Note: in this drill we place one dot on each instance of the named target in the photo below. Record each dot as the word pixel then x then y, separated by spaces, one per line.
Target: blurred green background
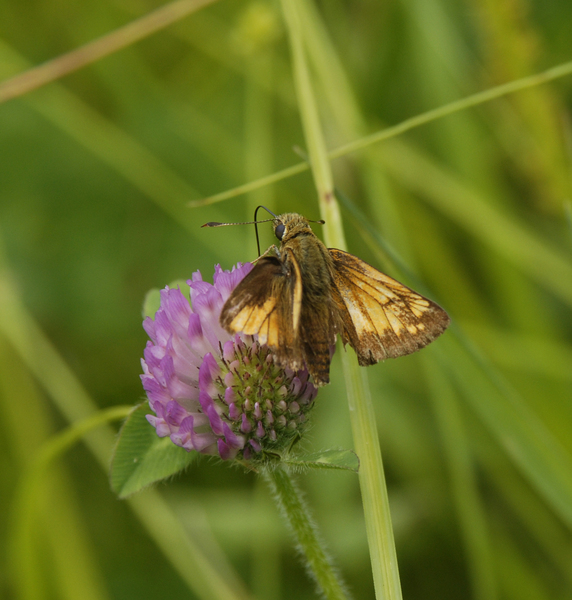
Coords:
pixel 96 171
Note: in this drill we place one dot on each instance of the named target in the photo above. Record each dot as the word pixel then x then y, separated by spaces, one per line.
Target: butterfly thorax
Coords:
pixel 312 256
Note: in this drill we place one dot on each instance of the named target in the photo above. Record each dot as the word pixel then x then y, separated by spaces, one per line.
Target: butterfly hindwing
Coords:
pixel 382 318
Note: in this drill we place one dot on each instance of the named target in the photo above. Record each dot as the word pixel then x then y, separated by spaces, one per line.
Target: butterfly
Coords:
pixel 298 298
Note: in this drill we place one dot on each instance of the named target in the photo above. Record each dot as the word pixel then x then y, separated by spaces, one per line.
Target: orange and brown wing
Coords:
pixel 382 317
pixel 267 303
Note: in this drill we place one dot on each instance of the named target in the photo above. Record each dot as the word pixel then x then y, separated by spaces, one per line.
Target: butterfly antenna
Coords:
pixel 216 224
pixel 256 223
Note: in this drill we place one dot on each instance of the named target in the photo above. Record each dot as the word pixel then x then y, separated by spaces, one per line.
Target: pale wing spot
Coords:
pixel 239 322
pixel 297 299
pixel 250 321
pixel 360 321
pixel 412 329
pixel 253 323
pixel 395 323
pixel 366 311
pixel 263 333
pixel 416 311
pixel 268 305
pixel 386 289
pixel 380 292
pixel 378 317
pixel 258 317
pixel 386 316
pixel 419 306
pixel 273 331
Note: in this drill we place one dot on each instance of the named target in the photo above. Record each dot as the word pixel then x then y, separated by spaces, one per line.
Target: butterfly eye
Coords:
pixel 279 230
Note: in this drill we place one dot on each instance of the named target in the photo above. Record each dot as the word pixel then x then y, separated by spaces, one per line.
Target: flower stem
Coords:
pixel 310 546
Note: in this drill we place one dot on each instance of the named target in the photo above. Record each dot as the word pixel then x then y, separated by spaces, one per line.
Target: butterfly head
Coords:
pixel 288 225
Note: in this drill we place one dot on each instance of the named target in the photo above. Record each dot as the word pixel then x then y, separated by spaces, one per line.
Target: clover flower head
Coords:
pixel 214 392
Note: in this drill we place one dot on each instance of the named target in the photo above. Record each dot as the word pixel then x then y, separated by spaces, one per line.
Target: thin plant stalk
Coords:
pixel 120 38
pixel 366 440
pixel 29 496
pixel 296 513
pixel 464 486
pixel 429 116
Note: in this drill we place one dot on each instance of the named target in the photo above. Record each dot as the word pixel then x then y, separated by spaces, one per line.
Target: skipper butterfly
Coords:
pixel 299 297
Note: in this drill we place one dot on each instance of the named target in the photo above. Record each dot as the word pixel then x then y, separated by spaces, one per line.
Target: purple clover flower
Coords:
pixel 214 392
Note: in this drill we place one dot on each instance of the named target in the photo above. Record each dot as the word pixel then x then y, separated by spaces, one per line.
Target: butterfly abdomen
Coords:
pixel 319 322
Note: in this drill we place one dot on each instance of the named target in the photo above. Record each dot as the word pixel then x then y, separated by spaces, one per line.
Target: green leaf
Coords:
pixel 152 300
pixel 327 459
pixel 182 285
pixel 142 458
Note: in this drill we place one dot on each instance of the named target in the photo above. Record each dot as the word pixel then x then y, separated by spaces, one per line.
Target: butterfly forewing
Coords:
pixel 263 304
pixel 384 319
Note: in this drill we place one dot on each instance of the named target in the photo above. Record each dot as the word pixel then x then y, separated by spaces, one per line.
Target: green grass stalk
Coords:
pixel 120 38
pixel 461 467
pixel 372 480
pixel 30 493
pixel 429 116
